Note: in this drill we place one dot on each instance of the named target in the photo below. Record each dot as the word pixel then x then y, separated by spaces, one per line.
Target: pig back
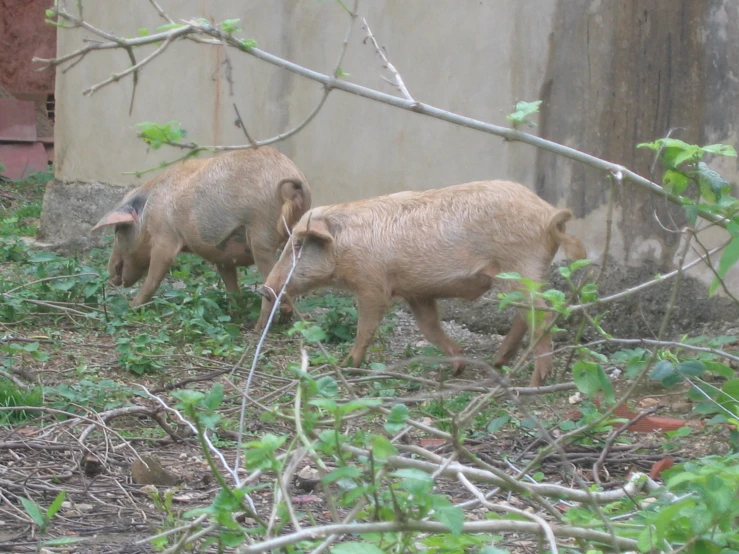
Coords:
pixel 239 189
pixel 432 239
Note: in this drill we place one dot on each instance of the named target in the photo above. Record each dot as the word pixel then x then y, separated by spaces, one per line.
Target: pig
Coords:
pixel 422 246
pixel 235 209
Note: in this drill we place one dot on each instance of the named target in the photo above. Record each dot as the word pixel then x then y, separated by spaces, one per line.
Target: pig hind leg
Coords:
pixel 230 277
pixel 542 349
pixel 371 308
pixel 541 340
pixel 427 316
pixel 512 341
pixel 162 256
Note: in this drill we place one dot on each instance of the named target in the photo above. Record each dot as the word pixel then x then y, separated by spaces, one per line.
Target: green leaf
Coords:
pixel 214 398
pixel 231 539
pixel 188 397
pixel 231 26
pixel 397 418
pixel 169 27
pixel 665 372
pixel 248 44
pixel 496 424
pixel 606 386
pixel 731 388
pixel 156 134
pixel 646 539
pixel 327 404
pixel 585 375
pixel 675 182
pixel 510 275
pixel 340 73
pixel 356 548
pixel 382 448
pixel 712 185
pixel 327 387
pixel 61 541
pixel 691 211
pixel 359 404
pixel 30 347
pixel 261 454
pixel 692 153
pixel 523 110
pixel 720 369
pixel 448 514
pixel 143 32
pixel 33 510
pixel 56 504
pixel 415 481
pixel 691 368
pixel 345 472
pixel 729 258
pixel 41 257
pixel 313 334
pixel 654 146
pixel 720 150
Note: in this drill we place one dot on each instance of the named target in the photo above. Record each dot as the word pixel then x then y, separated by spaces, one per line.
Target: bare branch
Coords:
pixel 399 84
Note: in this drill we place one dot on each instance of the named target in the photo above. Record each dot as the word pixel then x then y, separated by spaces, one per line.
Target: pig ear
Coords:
pixel 120 216
pixel 318 228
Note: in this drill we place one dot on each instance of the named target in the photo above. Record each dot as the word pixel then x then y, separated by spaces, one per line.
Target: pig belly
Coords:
pixel 234 250
pixel 467 287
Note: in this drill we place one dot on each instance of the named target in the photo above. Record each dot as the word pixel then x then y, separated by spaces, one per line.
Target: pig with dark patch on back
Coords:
pixel 234 209
pixel 421 246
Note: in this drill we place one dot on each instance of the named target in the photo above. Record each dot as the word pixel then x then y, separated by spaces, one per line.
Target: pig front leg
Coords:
pixel 265 261
pixel 427 317
pixel 371 308
pixel 162 256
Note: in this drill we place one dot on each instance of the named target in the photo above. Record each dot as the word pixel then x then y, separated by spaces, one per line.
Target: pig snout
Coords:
pixel 115 269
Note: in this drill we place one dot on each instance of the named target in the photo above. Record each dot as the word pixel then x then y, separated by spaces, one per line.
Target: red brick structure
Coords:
pixel 26 95
pixel 23 36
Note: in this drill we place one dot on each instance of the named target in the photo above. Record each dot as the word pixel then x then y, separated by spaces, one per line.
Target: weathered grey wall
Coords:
pixel 621 73
pixel 611 74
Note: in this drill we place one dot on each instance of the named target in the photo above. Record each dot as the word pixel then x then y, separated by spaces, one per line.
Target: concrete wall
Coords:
pixel 611 74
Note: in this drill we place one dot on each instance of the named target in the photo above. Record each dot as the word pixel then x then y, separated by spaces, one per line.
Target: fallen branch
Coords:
pixel 498 526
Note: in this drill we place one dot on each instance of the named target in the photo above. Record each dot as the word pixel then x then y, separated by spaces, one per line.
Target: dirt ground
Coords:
pixel 110 512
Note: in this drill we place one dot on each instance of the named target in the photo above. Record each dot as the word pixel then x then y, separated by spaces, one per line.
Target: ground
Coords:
pixel 105 379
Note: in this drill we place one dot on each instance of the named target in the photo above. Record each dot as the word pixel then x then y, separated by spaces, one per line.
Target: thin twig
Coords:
pixel 611 439
pixel 545 527
pixel 399 84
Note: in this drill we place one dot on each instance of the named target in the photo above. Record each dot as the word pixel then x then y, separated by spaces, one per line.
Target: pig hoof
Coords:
pixel 458 369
